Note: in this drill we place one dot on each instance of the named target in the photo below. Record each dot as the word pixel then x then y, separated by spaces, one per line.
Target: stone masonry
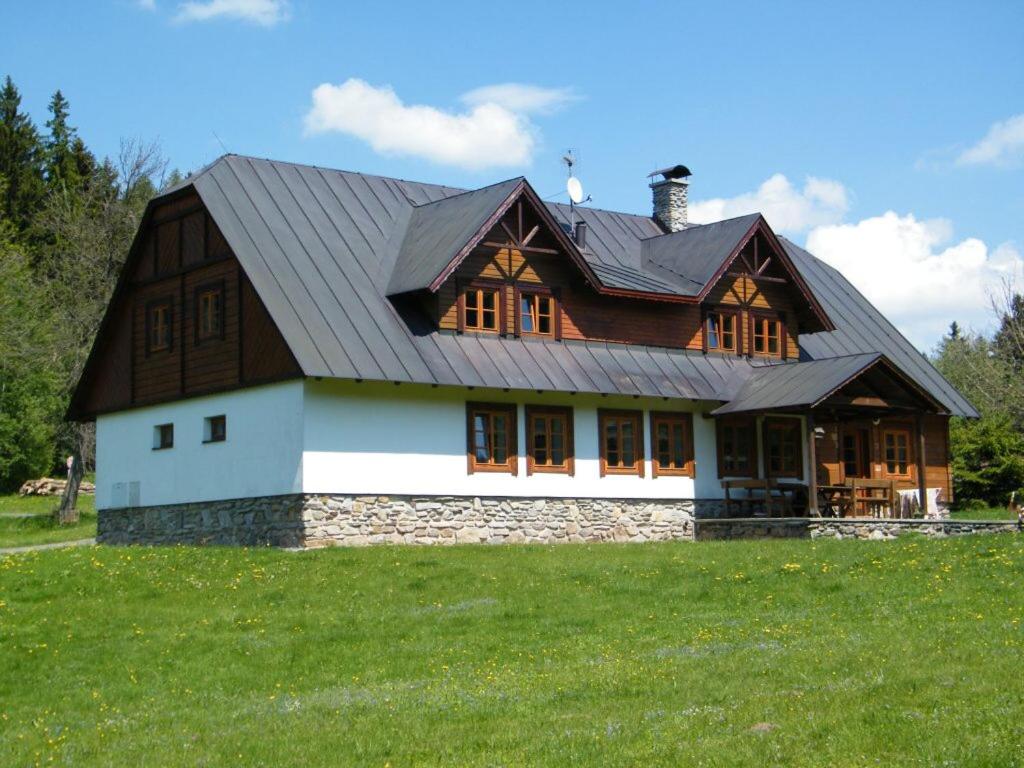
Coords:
pixel 327 520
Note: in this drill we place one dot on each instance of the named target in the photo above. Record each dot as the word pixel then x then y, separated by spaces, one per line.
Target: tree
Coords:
pixel 92 231
pixel 29 388
pixel 20 161
pixel 1009 339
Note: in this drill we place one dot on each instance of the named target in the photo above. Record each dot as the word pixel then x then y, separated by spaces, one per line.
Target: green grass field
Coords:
pixel 18 531
pixel 789 653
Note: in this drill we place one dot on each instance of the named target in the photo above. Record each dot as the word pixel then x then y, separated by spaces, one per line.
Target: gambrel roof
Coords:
pixel 331 254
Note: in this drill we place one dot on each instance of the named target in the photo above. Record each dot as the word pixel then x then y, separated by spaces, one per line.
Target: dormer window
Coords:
pixel 481 309
pixel 766 336
pixel 720 331
pixel 537 313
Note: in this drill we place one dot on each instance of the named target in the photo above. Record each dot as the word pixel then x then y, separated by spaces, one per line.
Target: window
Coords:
pixel 209 312
pixel 737 447
pixel 481 309
pixel 537 314
pixel 720 330
pixel 549 439
pixel 158 326
pixel 766 334
pixel 215 429
pixel 622 441
pixel 492 442
pixel 163 436
pixel 672 444
pixel 855 454
pixel 782 448
pixel 896 448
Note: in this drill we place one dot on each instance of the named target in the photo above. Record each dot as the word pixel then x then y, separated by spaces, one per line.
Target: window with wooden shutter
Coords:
pixel 491 437
pixel 549 439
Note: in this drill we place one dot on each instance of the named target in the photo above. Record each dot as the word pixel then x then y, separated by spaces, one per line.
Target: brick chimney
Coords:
pixel 670 196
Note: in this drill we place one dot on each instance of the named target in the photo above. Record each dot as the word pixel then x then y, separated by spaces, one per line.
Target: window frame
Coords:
pixel 897 429
pixel 495 286
pixel 549 411
pixel 731 422
pixel 777 424
pixel 862 448
pixel 214 286
pixel 737 324
pixel 159 433
pixel 689 464
pixel 209 435
pixel 538 291
pixel 511 466
pixel 164 302
pixel 756 318
pixel 604 415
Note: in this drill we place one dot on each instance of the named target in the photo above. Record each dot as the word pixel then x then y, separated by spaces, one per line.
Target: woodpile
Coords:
pixel 49 486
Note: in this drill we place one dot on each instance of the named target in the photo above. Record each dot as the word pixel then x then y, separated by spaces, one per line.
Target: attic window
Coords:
pixel 766 336
pixel 720 328
pixel 537 314
pixel 481 308
pixel 210 312
pixel 158 326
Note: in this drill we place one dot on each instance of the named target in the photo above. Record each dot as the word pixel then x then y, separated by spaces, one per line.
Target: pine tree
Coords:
pixel 20 161
pixel 61 167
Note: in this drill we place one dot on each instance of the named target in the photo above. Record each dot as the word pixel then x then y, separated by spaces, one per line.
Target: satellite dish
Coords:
pixel 575 190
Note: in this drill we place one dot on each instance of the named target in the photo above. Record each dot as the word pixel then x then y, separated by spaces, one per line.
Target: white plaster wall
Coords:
pixel 262 455
pixel 385 439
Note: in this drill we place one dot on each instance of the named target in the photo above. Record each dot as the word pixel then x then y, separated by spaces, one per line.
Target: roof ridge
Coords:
pixel 465 192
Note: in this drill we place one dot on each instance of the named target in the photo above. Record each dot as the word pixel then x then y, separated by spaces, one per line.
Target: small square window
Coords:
pixel 163 436
pixel 215 429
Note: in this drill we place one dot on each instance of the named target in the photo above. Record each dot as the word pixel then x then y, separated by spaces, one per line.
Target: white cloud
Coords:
pixel 1002 146
pixel 265 13
pixel 493 131
pixel 914 272
pixel 521 98
pixel 787 209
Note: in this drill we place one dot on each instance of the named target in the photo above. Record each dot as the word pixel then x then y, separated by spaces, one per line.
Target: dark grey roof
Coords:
pixel 694 254
pixel 796 384
pixel 438 231
pixel 861 328
pixel 321 247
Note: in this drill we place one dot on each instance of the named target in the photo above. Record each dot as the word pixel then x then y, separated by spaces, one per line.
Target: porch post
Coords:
pixel 922 485
pixel 812 469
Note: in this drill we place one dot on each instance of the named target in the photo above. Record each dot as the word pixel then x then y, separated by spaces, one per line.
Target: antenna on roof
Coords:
pixel 222 146
pixel 573 187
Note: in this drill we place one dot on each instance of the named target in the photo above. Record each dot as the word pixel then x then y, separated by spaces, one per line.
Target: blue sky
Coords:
pixel 889 137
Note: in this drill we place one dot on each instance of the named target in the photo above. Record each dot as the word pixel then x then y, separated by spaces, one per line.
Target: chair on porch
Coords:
pixel 878 499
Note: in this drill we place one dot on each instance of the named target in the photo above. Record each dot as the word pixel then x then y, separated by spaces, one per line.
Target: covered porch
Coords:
pixel 843 437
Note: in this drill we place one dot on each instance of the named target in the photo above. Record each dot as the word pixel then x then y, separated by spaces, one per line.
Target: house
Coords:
pixel 298 356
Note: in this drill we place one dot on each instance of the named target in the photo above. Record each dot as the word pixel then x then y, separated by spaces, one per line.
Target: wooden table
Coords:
pixel 835 500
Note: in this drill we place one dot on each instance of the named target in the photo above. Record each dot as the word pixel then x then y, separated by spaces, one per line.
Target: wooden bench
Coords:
pixel 878 497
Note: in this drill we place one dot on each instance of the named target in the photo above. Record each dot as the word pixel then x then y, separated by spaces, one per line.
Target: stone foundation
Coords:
pixel 319 521
pixel 327 520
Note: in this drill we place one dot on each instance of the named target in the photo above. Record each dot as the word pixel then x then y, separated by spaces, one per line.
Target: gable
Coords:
pixel 178 253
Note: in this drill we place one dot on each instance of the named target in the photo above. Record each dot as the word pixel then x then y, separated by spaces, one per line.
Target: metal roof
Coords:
pixel 322 248
pixel 694 254
pixel 438 231
pixel 796 385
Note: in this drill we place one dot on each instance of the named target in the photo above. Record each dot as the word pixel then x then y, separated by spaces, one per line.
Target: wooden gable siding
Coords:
pixel 182 251
pixel 584 314
pixel 936 435
pixel 751 297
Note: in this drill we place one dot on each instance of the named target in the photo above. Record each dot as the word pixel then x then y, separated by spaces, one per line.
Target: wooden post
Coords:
pixel 812 470
pixel 922 484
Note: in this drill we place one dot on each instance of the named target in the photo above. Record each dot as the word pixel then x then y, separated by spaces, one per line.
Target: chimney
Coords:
pixel 670 196
pixel 580 236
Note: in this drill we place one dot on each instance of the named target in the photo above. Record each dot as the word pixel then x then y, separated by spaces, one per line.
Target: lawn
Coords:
pixel 983 513
pixel 17 530
pixel 718 654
